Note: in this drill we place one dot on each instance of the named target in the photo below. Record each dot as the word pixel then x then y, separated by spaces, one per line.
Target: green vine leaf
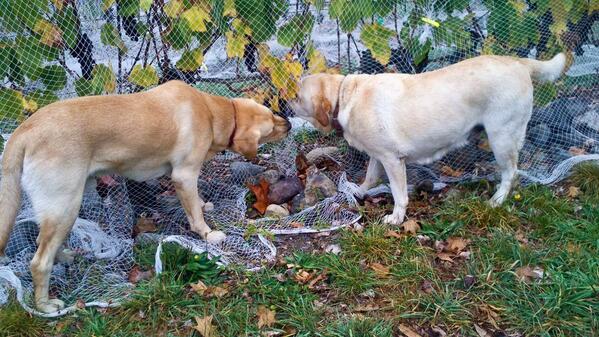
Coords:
pixel 173 8
pixel 54 77
pixel 109 36
pixel 50 35
pixel 42 98
pixel 376 38
pixel 103 79
pixel 179 34
pixel 143 77
pixel 68 24
pixel 296 30
pixel 128 8
pixel 11 102
pixel 145 5
pixel 261 16
pixel 191 60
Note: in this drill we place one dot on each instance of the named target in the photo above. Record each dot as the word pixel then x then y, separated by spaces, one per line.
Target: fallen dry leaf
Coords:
pixel 576 151
pixel 204 326
pixel 406 330
pixel 144 225
pixel 217 292
pixel 469 281
pixel 527 274
pixel 321 277
pixel 80 304
pixel 456 244
pixel 266 317
pixel 297 225
pixel 573 192
pixel 427 286
pixel 136 275
pixel 301 164
pixel 366 308
pixel 444 257
pixel 411 226
pixel 199 287
pixel 393 234
pixel 302 276
pixel 481 332
pixel 260 191
pixel 448 171
pixel 379 269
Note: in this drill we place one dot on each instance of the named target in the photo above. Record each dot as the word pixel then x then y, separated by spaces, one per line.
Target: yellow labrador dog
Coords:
pixel 400 118
pixel 172 128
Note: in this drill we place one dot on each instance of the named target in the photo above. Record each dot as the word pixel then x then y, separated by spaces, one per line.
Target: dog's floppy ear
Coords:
pixel 322 109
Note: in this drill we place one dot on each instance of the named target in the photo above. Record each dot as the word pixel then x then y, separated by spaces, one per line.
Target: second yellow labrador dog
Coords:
pixel 172 128
pixel 400 118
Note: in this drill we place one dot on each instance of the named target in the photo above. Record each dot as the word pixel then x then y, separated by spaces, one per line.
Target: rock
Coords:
pixel 590 119
pixel 208 207
pixel 271 176
pixel 241 170
pixel 333 248
pixel 276 211
pixel 298 203
pixel 313 155
pixel 424 186
pixel 284 190
pixel 318 186
pixel 539 134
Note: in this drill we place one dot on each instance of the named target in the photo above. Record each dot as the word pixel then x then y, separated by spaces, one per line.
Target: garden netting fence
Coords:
pixel 58 49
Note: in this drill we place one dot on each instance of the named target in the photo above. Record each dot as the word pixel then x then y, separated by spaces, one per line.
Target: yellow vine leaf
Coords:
pixel 235 44
pixel 173 8
pixel 50 34
pixel 229 9
pixel 196 18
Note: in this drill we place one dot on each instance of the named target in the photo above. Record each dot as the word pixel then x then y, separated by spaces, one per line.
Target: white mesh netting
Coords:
pixel 57 49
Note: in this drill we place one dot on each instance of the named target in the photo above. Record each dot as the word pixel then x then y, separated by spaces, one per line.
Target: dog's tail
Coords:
pixel 10 187
pixel 549 71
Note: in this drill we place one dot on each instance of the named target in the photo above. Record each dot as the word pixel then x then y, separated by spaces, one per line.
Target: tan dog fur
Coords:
pixel 172 128
pixel 401 118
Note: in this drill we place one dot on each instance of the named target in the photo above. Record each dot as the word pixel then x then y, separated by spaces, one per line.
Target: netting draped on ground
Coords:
pixel 51 50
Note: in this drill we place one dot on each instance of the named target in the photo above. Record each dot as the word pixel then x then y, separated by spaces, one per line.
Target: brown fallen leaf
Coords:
pixel 301 164
pixel 366 308
pixel 204 326
pixel 303 276
pixel 427 286
pixel 406 330
pixel 199 287
pixel 528 275
pixel 297 224
pixel 217 292
pixel 80 304
pixel 393 234
pixel 266 317
pixel 411 226
pixel 380 270
pixel 576 151
pixel 481 332
pixel 136 275
pixel 321 277
pixel 573 192
pixel 144 225
pixel 456 244
pixel 260 191
pixel 444 257
pixel 448 171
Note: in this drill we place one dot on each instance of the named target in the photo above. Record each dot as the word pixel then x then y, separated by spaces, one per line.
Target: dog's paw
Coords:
pixel 51 305
pixel 394 219
pixel 496 200
pixel 215 237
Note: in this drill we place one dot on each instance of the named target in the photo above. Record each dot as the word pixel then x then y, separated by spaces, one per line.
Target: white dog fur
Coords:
pixel 401 118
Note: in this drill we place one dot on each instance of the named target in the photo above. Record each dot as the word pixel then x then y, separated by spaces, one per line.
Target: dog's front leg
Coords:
pixel 373 173
pixel 186 185
pixel 396 171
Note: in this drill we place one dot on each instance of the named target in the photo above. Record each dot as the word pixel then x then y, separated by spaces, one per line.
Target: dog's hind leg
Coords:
pixel 56 211
pixel 373 173
pixel 396 171
pixel 185 180
pixel 505 146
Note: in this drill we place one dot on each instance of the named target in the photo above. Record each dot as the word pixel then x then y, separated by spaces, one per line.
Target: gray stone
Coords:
pixel 298 203
pixel 241 170
pixel 316 153
pixel 318 186
pixel 284 190
pixel 271 176
pixel 276 211
pixel 539 134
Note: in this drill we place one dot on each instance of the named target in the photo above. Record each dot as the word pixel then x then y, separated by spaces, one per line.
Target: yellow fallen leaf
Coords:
pixel 379 269
pixel 204 326
pixel 448 171
pixel 411 226
pixel 456 244
pixel 393 234
pixel 266 317
pixel 444 257
pixel 573 192
pixel 199 287
pixel 406 330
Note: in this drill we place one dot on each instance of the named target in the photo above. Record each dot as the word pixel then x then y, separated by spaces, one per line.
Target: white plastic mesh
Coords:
pixel 58 49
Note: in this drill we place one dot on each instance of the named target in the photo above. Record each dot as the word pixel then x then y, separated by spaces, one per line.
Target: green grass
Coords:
pixel 543 228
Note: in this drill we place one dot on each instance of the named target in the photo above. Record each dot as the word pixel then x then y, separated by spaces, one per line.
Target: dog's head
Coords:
pixel 316 99
pixel 255 125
